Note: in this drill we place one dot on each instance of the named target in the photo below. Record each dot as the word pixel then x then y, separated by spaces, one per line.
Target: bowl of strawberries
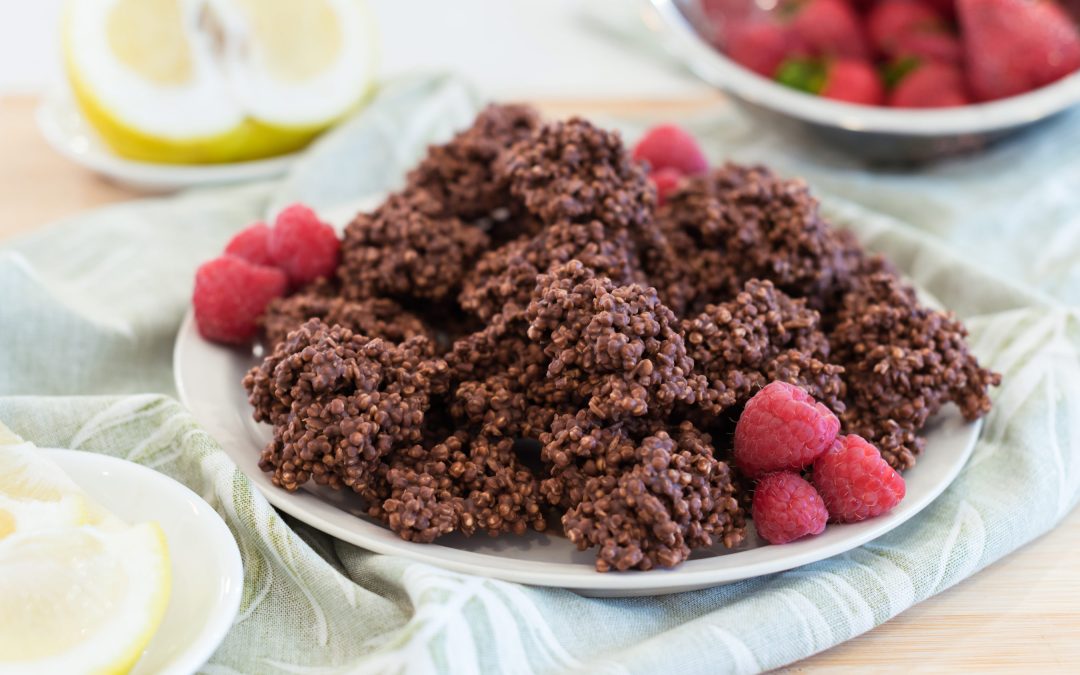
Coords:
pixel 886 80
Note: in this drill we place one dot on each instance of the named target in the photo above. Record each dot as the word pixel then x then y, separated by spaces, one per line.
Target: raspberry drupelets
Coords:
pixel 230 294
pixel 252 244
pixel 855 483
pixel 302 245
pixel 782 428
pixel 524 285
pixel 670 147
pixel 786 508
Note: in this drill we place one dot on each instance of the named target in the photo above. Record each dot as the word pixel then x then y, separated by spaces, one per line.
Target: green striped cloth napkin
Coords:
pixel 89 308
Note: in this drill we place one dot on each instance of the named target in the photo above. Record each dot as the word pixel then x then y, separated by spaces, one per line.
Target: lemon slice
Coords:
pixel 36 494
pixel 198 81
pixel 80 591
pixel 81 600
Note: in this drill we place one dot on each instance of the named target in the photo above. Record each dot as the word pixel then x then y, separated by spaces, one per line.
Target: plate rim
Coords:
pixel 58 101
pixel 689 575
pixel 213 633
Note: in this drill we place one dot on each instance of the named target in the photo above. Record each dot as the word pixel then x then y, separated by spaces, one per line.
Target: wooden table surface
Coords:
pixel 1021 614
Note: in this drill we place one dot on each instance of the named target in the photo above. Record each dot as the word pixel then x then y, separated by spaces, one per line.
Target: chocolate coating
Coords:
pixel 523 288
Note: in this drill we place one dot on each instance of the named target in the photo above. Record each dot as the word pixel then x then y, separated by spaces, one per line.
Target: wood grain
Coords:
pixel 1020 615
pixel 37 185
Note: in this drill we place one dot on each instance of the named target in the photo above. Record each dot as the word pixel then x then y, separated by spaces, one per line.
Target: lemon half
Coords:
pixel 203 81
pixel 80 591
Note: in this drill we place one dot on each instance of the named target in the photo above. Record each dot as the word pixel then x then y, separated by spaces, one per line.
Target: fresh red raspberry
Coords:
pixel 782 428
pixel 665 180
pixel 787 508
pixel 667 146
pixel 855 482
pixel 304 246
pixel 231 294
pixel 251 244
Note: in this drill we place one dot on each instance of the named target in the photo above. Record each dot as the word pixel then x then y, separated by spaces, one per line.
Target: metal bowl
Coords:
pixel 877 134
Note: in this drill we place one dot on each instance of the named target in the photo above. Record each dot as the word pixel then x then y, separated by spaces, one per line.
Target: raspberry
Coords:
pixel 251 244
pixel 231 294
pixel 667 146
pixel 665 180
pixel 782 428
pixel 304 246
pixel 855 482
pixel 786 508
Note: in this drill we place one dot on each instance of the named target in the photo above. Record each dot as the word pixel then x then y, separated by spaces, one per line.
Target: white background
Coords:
pixel 510 48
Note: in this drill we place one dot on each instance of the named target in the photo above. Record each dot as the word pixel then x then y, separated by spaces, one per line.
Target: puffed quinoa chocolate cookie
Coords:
pixel 521 338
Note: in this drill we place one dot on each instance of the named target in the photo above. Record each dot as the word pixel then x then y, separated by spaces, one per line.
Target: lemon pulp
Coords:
pixel 80 591
pixel 210 81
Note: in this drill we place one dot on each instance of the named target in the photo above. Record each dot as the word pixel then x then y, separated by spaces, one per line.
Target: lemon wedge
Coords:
pixel 35 493
pixel 81 600
pixel 80 591
pixel 203 81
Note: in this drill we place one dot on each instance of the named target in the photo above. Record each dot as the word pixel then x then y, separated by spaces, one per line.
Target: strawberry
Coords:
pixel 947 8
pixel 723 19
pixel 929 84
pixel 934 45
pixel 762 45
pixel 1072 8
pixel 1014 46
pixel 829 28
pixel 851 80
pixel 902 28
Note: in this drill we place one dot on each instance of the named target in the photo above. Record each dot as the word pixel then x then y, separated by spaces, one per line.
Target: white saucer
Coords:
pixel 68 132
pixel 207 574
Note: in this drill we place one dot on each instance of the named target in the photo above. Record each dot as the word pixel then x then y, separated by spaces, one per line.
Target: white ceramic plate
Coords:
pixel 68 132
pixel 208 379
pixel 207 574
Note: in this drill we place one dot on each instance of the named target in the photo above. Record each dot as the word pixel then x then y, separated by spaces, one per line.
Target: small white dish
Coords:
pixel 67 131
pixel 208 380
pixel 207 573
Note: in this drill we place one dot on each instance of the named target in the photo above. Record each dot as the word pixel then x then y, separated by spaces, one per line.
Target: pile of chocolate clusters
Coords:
pixel 521 336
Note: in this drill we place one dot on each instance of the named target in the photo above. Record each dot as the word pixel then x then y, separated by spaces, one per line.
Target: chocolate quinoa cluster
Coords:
pixel 521 337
